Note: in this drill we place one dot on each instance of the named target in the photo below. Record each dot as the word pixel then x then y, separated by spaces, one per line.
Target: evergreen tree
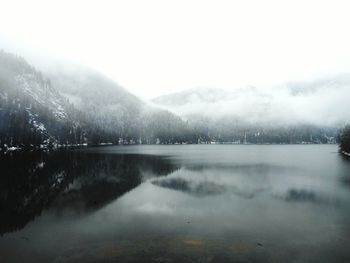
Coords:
pixel 345 139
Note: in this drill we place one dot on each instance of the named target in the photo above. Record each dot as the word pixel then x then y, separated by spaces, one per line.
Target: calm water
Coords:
pixel 190 203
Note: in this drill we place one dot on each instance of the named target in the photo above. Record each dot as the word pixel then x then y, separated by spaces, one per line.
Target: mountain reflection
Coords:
pixel 247 182
pixel 68 180
pixel 244 181
pixel 301 195
pixel 187 186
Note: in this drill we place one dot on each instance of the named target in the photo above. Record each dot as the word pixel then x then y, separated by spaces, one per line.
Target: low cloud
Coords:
pixel 323 102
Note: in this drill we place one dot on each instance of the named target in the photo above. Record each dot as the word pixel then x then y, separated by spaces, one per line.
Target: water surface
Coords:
pixel 186 203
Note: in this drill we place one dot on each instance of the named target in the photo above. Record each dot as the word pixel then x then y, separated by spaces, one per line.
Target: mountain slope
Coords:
pixel 104 102
pixel 82 106
pixel 280 115
pixel 116 110
pixel 32 112
pixel 319 102
pixel 345 141
pixel 76 107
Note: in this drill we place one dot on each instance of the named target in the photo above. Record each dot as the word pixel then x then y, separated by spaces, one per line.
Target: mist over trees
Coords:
pixel 27 101
pixel 83 107
pixel 252 116
pixel 114 109
pixel 289 104
pixel 231 130
pixel 34 112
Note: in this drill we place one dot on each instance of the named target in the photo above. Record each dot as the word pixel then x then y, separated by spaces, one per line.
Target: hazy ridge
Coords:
pixel 77 105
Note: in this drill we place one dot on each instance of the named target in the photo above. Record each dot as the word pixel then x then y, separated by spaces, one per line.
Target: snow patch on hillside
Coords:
pixel 39 89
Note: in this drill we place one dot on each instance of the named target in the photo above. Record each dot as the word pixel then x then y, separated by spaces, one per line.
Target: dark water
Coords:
pixel 193 203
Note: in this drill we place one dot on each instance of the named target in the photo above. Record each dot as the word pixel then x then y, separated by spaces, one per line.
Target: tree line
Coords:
pixel 344 140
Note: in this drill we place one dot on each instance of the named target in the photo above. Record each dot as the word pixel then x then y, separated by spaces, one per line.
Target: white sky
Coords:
pixel 156 47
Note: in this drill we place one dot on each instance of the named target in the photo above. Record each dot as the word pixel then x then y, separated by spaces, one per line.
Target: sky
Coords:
pixel 158 46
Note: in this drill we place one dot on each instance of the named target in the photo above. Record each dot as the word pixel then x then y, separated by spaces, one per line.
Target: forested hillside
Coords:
pixel 114 109
pixel 345 141
pixel 32 113
pixel 251 115
pixel 36 112
pixel 81 106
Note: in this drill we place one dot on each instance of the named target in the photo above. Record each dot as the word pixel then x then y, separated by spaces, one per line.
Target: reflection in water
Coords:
pixel 301 195
pixel 198 189
pixel 83 182
pixel 345 176
pixel 244 181
pixel 213 204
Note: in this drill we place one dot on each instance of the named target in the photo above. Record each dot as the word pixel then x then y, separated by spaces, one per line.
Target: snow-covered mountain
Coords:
pixel 116 110
pixel 321 102
pixel 81 106
pixel 32 112
pixel 18 76
pixel 243 104
pixel 104 102
pixel 294 112
pixel 76 107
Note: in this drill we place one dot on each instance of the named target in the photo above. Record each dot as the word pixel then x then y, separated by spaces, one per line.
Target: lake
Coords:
pixel 179 203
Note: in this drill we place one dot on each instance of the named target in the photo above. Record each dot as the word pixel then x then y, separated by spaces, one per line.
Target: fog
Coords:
pixel 132 69
pixel 156 47
pixel 319 102
pixel 174 131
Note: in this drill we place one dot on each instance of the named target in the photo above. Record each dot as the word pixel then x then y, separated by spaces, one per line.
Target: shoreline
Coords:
pixel 345 153
pixel 15 149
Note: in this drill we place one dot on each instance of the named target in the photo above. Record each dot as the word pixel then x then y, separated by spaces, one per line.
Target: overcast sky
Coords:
pixel 156 47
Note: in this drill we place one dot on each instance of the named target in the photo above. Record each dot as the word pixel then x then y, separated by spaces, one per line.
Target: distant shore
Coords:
pixel 48 148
